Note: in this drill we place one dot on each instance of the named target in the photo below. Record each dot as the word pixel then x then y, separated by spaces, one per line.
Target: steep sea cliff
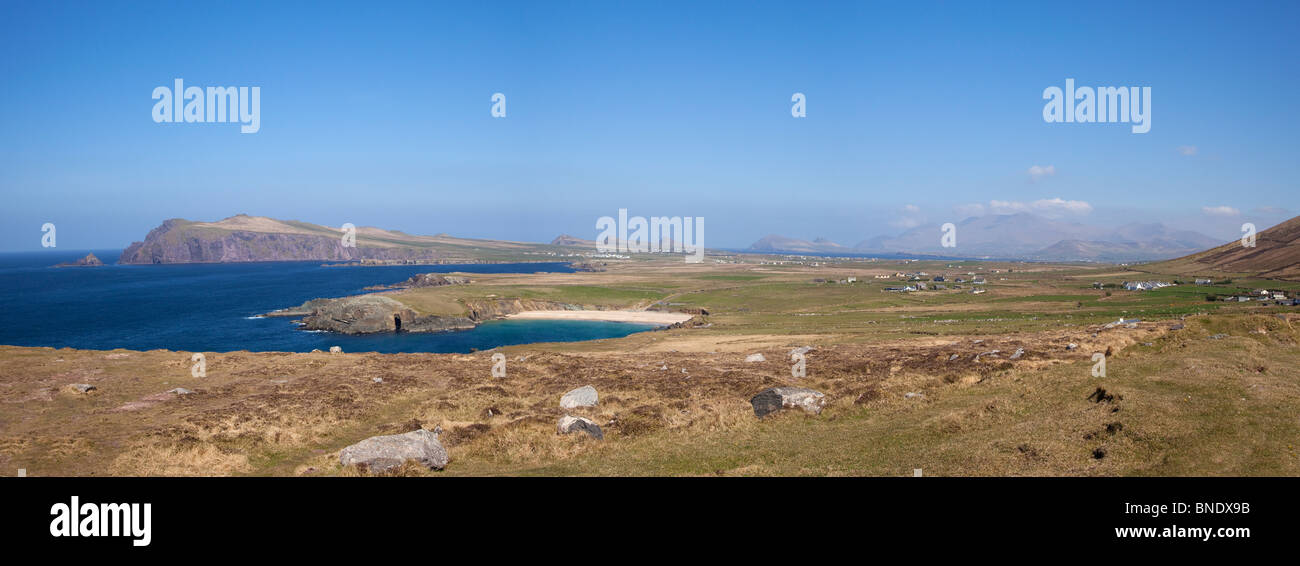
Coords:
pixel 182 241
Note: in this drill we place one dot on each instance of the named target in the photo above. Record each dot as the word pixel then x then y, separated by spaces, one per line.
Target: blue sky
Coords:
pixel 379 114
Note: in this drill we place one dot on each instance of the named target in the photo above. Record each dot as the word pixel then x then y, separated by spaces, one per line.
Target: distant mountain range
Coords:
pixel 1276 254
pixel 775 243
pixel 1019 236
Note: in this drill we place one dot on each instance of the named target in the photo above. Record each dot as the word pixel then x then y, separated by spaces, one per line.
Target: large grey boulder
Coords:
pixel 774 399
pixel 584 396
pixel 569 424
pixel 382 453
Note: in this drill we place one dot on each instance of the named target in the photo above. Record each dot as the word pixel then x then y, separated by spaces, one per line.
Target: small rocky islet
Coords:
pixel 89 261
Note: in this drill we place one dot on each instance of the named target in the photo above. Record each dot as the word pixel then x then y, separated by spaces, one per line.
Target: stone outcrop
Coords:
pixel 570 424
pixel 777 398
pixel 584 396
pixel 382 453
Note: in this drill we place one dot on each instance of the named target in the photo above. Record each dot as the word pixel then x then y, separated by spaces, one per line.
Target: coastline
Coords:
pixel 641 317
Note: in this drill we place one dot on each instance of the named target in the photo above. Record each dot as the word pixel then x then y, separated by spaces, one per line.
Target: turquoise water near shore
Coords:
pixel 214 307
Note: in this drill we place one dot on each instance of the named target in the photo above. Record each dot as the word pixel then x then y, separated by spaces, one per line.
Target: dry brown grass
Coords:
pixel 290 414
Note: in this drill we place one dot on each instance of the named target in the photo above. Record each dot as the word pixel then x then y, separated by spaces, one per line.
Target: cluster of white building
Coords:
pixel 1145 285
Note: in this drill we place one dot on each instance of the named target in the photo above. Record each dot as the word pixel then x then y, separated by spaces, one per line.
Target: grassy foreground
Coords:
pixel 1217 396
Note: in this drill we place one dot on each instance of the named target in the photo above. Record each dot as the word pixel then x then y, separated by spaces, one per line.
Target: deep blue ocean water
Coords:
pixel 211 307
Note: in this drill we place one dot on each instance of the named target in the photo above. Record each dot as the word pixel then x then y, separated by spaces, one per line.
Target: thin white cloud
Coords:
pixel 1037 172
pixel 1222 210
pixel 909 217
pixel 1052 208
pixel 969 210
pixel 1188 150
pixel 1273 211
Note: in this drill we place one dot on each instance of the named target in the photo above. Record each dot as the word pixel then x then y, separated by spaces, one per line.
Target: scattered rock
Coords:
pixel 82 387
pixel 336 350
pixel 1072 346
pixel 953 357
pixel 755 358
pixel 180 391
pixel 1218 336
pixel 461 434
pixel 912 395
pixel 867 396
pixel 584 396
pixel 1029 451
pixel 1019 352
pixel 382 453
pixel 774 399
pixel 569 424
pixel 377 379
pixel 1101 396
pixel 1178 326
pixel 137 405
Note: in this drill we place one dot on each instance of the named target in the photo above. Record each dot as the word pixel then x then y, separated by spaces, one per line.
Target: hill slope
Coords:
pixel 1276 254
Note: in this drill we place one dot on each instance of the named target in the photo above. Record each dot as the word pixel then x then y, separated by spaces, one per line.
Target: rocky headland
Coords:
pixel 183 241
pixel 378 313
pixel 422 280
pixel 244 238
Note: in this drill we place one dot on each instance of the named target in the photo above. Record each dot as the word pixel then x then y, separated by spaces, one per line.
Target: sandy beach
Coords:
pixel 643 317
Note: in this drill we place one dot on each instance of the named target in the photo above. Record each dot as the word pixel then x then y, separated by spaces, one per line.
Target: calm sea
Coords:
pixel 212 307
